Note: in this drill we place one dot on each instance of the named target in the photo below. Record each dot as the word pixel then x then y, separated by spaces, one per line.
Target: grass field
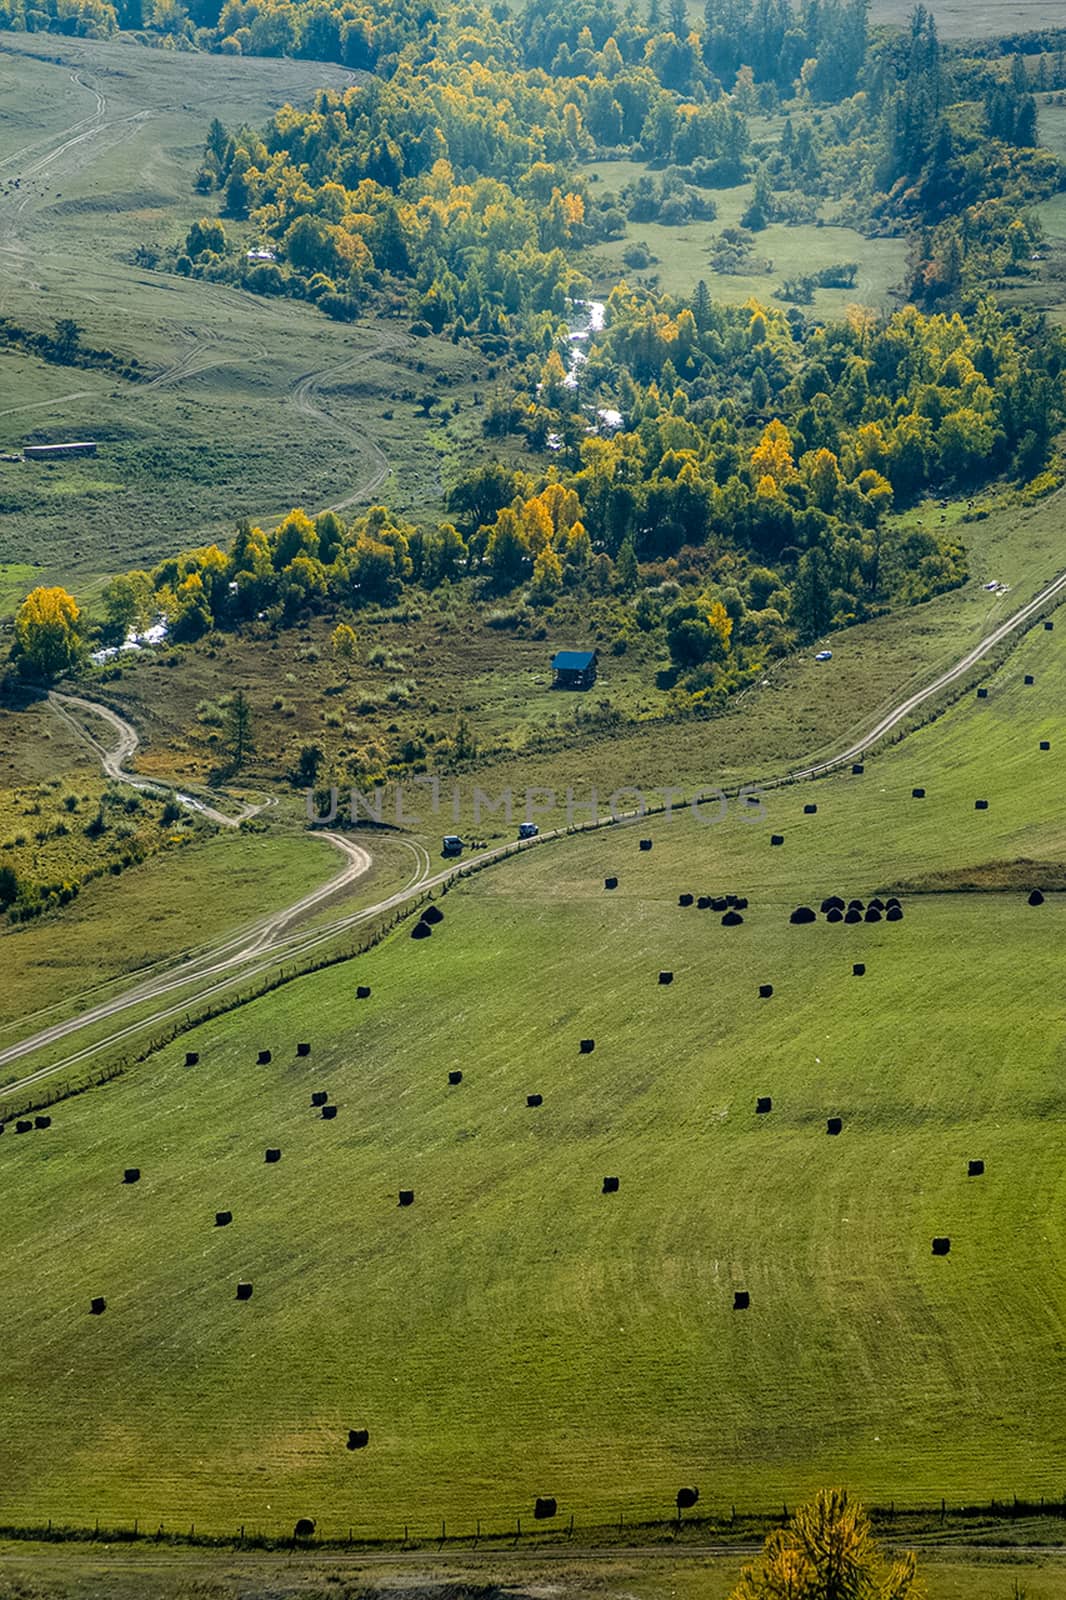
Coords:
pixel 254 405
pixel 517 1332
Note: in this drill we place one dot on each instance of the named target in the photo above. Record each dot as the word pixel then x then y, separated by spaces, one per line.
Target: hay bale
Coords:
pixel 544 1506
pixel 856 905
pixel 740 902
pixel 741 1300
pixel 191 1057
pixel 328 1113
pixel 834 916
pixel 763 1105
pixel 876 904
pixel 358 1438
pixel 645 844
pixel 872 914
pixel 1049 627
pixel 42 1122
pixel 23 1126
pixel 834 1125
pixel 244 1291
pixel 732 919
pixel 686 1499
pixel 319 1097
pixel 859 969
pixel 852 915
pixel 272 1156
pixel 455 1076
pixel 704 903
pixel 833 902
pixel 407 1197
pixel 765 991
pixel 132 1175
pixel 803 914
pixel 223 1219
pixel 976 1169
pixel 421 930
pixel 534 1099
pixel 941 1247
pixel 857 768
pixel 720 903
pixel 587 1046
pixel 917 794
pixel 610 883
pixel 893 900
pixel 1045 744
pixel 263 1058
pixel 362 991
pixel 303 1049
pixel 730 899
pixel 433 915
pixel 1029 680
pixel 666 977
pixel 304 1528
pixel 684 899
pixel 982 694
pixel 980 805
pixel 777 838
pixel 894 914
pixel 97 1306
pixel 610 1186
pixel 1036 898
pixel 810 810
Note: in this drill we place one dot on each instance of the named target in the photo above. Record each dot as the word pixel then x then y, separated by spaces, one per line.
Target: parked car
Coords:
pixel 453 845
pixel 527 830
pixel 824 655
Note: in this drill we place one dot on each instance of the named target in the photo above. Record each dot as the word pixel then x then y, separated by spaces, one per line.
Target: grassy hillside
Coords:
pixel 516 1331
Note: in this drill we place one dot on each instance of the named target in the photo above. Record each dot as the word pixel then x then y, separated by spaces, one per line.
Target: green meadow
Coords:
pixel 516 1331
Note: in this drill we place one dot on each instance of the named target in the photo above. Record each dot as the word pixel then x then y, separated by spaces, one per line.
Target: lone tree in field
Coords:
pixel 345 646
pixel 827 1552
pixel 47 642
pixel 239 729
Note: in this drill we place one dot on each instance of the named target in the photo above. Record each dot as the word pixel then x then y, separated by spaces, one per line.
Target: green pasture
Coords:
pixel 518 1332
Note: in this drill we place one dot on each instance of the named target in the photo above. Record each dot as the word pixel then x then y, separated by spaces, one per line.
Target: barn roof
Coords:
pixel 573 660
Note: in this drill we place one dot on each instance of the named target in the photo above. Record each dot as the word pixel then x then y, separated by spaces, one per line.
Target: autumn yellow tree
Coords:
pixel 827 1552
pixel 47 641
pixel 772 456
pixel 345 645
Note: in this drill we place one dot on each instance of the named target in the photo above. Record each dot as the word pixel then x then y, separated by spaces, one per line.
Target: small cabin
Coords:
pixel 574 669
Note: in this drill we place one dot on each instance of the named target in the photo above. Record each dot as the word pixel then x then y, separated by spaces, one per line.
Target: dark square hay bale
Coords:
pixel 433 915
pixel 328 1113
pixel 765 991
pixel 23 1126
pixel 534 1099
pixel 191 1057
pixel 610 1186
pixel 362 991
pixel 686 1499
pixel 763 1104
pixel 810 810
pixel 645 844
pixel 587 1046
pixel 720 903
pixel 859 969
pixel 917 794
pixel 976 1169
pixel 263 1059
pixel 1049 627
pixel 1029 679
pixel 894 914
pixel 704 903
pixel 803 914
pixel 666 977
pixel 407 1197
pixel 872 914
pixel 852 915
pixel 358 1438
pixel 858 769
pixel 684 899
pixel 777 838
pixel 42 1122
pixel 941 1247
pixel 982 694
pixel 732 919
pixel 740 902
pixel 421 930
pixel 303 1049
pixel 980 805
pixel 1045 744
pixel 544 1506
pixel 741 1300
pixel 319 1097
pixel 223 1219
pixel 272 1156
pixel 834 915
pixel 244 1291
pixel 97 1306
pixel 132 1175
pixel 455 1076
pixel 730 899
pixel 610 883
pixel 834 1125
pixel 1036 898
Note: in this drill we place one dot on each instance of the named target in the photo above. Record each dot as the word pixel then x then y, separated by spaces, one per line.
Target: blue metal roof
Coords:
pixel 573 660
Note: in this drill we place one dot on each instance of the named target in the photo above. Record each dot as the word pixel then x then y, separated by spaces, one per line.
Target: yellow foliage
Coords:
pixel 772 456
